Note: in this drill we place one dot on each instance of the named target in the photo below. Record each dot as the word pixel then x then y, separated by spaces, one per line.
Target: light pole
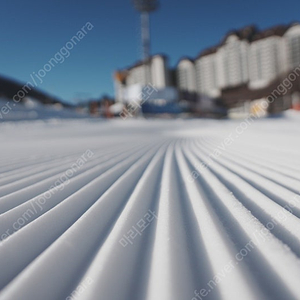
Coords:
pixel 145 7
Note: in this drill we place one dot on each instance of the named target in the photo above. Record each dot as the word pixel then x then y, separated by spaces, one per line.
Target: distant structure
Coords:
pixel 145 7
pixel 134 84
pixel 186 79
pixel 248 70
pixel 225 65
pixel 149 79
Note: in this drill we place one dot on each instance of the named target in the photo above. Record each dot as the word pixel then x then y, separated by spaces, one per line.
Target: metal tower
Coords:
pixel 145 7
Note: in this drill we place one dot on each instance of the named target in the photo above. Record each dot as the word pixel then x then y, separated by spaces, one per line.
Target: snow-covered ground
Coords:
pixel 154 210
pixel 33 110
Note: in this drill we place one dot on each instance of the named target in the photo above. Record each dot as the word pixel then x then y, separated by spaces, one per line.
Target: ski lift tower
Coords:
pixel 145 7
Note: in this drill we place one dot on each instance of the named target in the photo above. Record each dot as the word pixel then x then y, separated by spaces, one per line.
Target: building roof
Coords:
pixel 249 33
pixel 245 33
pixel 185 58
pixel 208 51
pixel 279 30
pixel 142 62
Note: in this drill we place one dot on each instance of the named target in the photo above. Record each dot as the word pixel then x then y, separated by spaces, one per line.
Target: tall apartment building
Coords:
pixel 160 74
pixel 292 46
pixel 225 65
pixel 186 75
pixel 232 57
pixel 244 62
pixel 247 60
pixel 207 73
pixel 267 57
pixel 130 82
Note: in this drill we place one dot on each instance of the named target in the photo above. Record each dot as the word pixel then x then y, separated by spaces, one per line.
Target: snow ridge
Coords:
pixel 138 218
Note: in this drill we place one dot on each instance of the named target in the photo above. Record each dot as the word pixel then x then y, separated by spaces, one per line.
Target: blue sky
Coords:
pixel 32 32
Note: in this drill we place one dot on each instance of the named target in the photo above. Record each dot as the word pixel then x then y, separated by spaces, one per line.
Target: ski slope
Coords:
pixel 34 110
pixel 154 210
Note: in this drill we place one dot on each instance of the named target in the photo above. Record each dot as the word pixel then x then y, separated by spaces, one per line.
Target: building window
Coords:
pixel 259 64
pixel 294 45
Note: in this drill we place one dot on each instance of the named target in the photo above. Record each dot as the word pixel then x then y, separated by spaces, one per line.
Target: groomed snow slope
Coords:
pixel 154 210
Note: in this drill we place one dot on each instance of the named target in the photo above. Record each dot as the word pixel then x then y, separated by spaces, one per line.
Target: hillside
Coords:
pixel 10 87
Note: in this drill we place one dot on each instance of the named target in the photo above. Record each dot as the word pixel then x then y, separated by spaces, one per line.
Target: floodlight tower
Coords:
pixel 145 7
